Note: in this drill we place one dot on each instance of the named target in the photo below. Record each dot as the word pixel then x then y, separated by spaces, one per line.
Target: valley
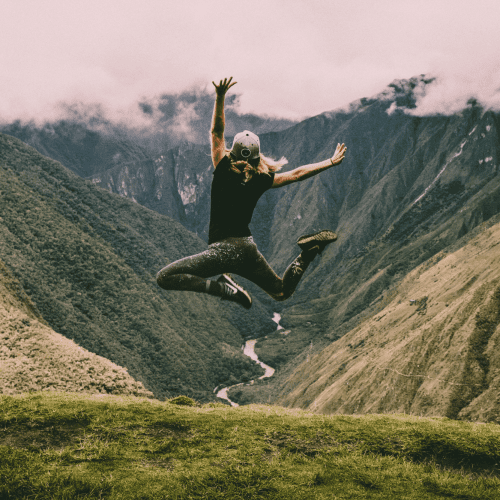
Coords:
pixel 412 193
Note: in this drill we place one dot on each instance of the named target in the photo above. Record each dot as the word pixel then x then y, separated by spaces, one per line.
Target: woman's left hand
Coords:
pixel 223 87
pixel 339 154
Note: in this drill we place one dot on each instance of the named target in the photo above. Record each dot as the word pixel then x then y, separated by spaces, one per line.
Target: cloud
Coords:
pixel 162 121
pixel 187 115
pixel 452 92
pixel 291 58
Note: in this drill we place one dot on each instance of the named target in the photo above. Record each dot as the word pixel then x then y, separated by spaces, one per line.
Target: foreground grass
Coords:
pixel 58 446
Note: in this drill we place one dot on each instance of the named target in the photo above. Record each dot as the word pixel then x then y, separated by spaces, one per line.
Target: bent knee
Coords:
pixel 279 297
pixel 161 277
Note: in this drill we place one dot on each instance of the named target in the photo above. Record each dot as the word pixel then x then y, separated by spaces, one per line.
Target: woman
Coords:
pixel 242 174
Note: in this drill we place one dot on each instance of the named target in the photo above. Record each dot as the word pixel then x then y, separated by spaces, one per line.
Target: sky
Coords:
pixel 291 58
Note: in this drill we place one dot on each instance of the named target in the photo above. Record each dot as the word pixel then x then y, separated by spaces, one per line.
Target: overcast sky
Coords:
pixel 291 58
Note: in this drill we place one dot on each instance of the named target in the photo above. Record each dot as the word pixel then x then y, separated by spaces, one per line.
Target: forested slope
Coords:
pixel 88 259
pixel 35 358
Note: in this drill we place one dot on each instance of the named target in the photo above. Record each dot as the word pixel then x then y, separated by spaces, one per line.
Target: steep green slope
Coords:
pixel 409 188
pixel 35 358
pixel 88 259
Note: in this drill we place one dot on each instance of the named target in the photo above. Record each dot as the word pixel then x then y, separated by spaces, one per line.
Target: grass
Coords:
pixel 66 445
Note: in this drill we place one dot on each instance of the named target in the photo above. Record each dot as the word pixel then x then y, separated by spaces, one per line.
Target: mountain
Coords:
pixel 87 260
pixel 409 188
pixel 161 161
pixel 35 358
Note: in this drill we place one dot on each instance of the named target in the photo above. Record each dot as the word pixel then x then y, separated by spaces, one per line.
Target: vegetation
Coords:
pixel 369 201
pixel 34 358
pixel 62 446
pixel 431 351
pixel 87 260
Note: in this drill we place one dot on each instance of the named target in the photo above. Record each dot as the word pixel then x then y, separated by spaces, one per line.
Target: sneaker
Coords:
pixel 234 292
pixel 321 239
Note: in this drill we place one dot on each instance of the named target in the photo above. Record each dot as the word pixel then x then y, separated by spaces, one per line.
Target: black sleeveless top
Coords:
pixel 233 201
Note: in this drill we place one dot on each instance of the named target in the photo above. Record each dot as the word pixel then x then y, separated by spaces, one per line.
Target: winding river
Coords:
pixel 249 350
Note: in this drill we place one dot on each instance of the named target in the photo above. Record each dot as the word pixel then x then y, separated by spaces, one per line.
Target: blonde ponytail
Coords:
pixel 266 166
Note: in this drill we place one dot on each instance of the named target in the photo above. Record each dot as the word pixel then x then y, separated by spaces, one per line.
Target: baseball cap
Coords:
pixel 246 146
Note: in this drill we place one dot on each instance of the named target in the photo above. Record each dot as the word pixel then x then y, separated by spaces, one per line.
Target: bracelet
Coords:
pixel 331 160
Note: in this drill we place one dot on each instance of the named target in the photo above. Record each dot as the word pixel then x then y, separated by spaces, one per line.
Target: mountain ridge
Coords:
pixel 35 358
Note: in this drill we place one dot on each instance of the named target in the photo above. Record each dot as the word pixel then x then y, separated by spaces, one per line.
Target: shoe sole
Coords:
pixel 322 237
pixel 226 278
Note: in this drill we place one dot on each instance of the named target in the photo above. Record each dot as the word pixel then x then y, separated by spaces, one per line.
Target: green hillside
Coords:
pixel 411 188
pixel 35 358
pixel 61 446
pixel 87 259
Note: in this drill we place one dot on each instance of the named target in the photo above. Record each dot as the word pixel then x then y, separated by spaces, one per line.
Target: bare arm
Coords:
pixel 218 143
pixel 306 171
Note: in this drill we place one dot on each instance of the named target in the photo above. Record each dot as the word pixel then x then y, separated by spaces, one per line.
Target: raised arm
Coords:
pixel 306 171
pixel 218 121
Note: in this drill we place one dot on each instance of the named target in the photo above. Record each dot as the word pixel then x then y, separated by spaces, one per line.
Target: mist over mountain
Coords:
pixel 187 116
pixel 408 188
pixel 89 139
pixel 153 155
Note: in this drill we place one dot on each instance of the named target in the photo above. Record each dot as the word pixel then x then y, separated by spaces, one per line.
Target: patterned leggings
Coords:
pixel 237 256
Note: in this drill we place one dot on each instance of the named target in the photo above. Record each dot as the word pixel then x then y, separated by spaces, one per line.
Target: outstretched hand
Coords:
pixel 223 86
pixel 339 154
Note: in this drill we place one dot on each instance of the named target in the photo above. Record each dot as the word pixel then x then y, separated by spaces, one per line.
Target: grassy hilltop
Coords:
pixel 72 446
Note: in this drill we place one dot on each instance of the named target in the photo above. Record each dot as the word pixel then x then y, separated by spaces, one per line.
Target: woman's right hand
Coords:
pixel 223 86
pixel 339 154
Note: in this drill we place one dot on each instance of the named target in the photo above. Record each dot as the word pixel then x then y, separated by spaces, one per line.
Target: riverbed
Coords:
pixel 249 350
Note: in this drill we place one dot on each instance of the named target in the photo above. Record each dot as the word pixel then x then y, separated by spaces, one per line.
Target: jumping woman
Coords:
pixel 242 174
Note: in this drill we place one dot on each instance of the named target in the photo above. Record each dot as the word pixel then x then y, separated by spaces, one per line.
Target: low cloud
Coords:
pixel 450 94
pixel 158 122
pixel 444 95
